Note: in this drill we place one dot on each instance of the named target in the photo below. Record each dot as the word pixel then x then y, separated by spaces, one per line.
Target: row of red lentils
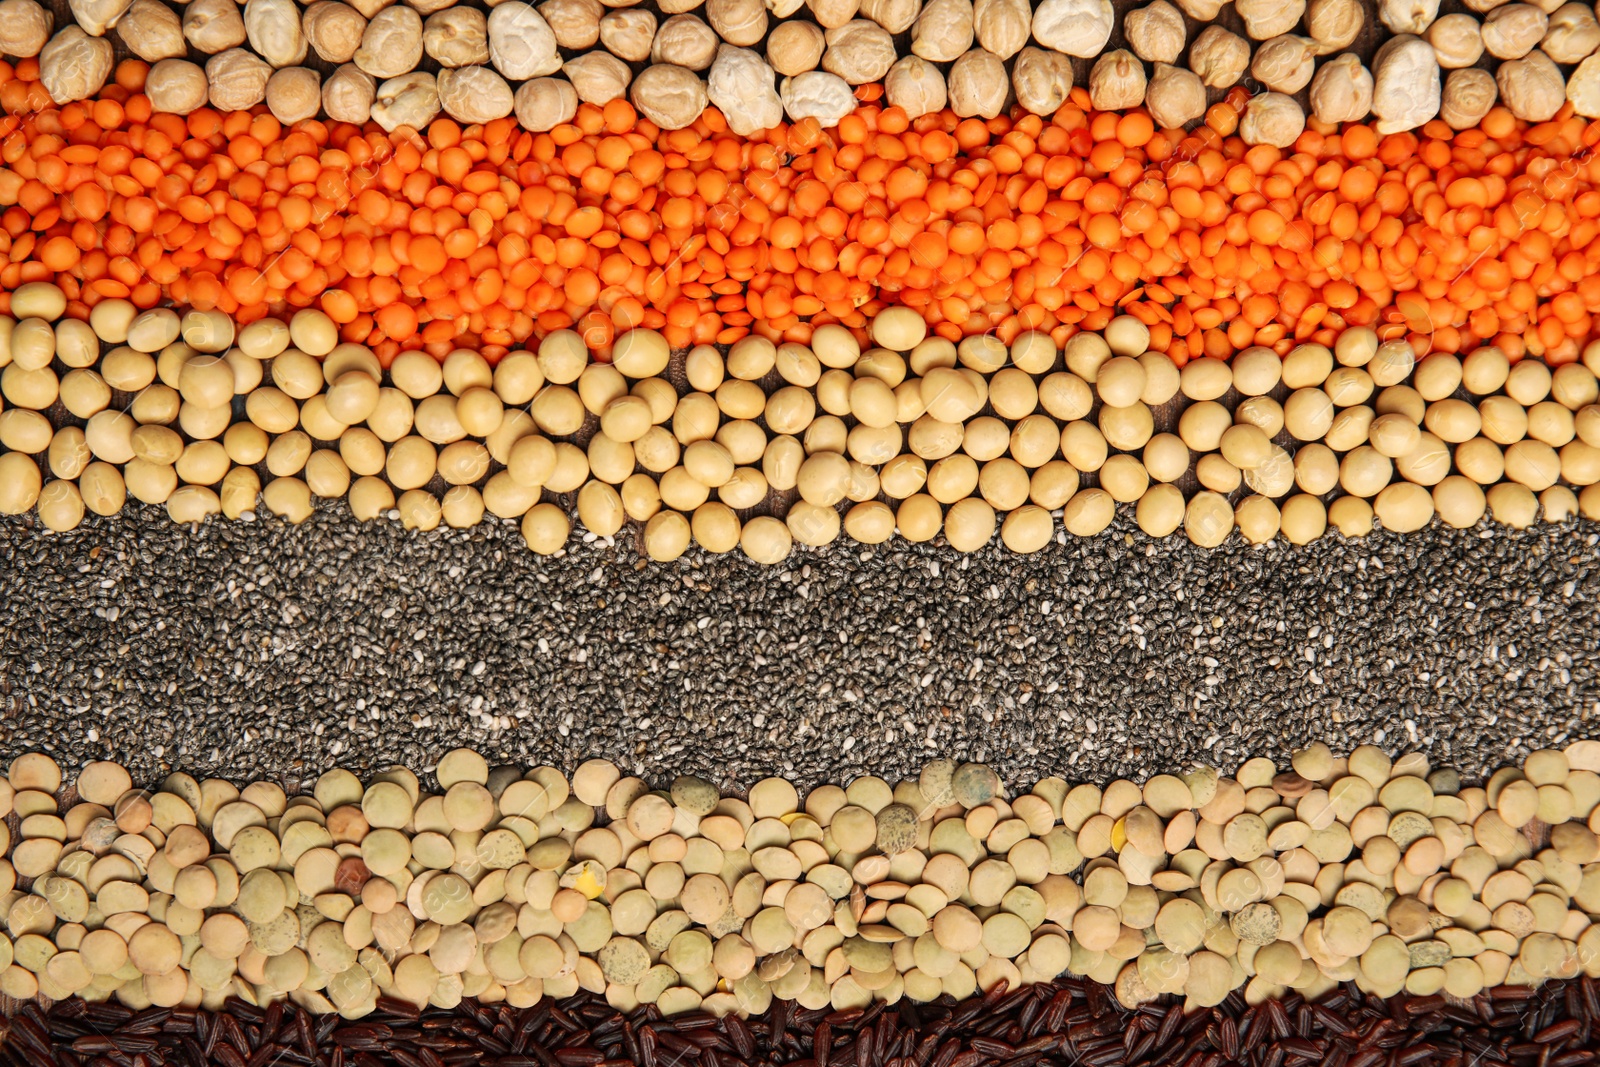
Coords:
pixel 487 236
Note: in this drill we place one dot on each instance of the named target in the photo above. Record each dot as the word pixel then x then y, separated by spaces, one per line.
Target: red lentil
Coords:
pixel 491 235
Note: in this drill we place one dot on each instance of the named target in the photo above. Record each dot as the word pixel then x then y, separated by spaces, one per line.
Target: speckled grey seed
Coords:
pixel 974 784
pixel 1445 782
pixel 1429 954
pixel 1258 923
pixel 695 795
pixel 259 649
pixel 935 782
pixel 897 829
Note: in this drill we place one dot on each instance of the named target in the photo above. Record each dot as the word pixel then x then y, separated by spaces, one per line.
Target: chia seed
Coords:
pixel 276 651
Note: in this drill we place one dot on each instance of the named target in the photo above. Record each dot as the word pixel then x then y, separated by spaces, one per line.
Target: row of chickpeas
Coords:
pixel 975 58
pixel 916 436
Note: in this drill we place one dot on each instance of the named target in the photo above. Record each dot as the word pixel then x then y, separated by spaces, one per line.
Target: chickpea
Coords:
pixel 74 65
pixel 24 27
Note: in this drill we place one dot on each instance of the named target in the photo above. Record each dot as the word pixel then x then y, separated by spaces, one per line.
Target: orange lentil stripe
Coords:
pixel 491 235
